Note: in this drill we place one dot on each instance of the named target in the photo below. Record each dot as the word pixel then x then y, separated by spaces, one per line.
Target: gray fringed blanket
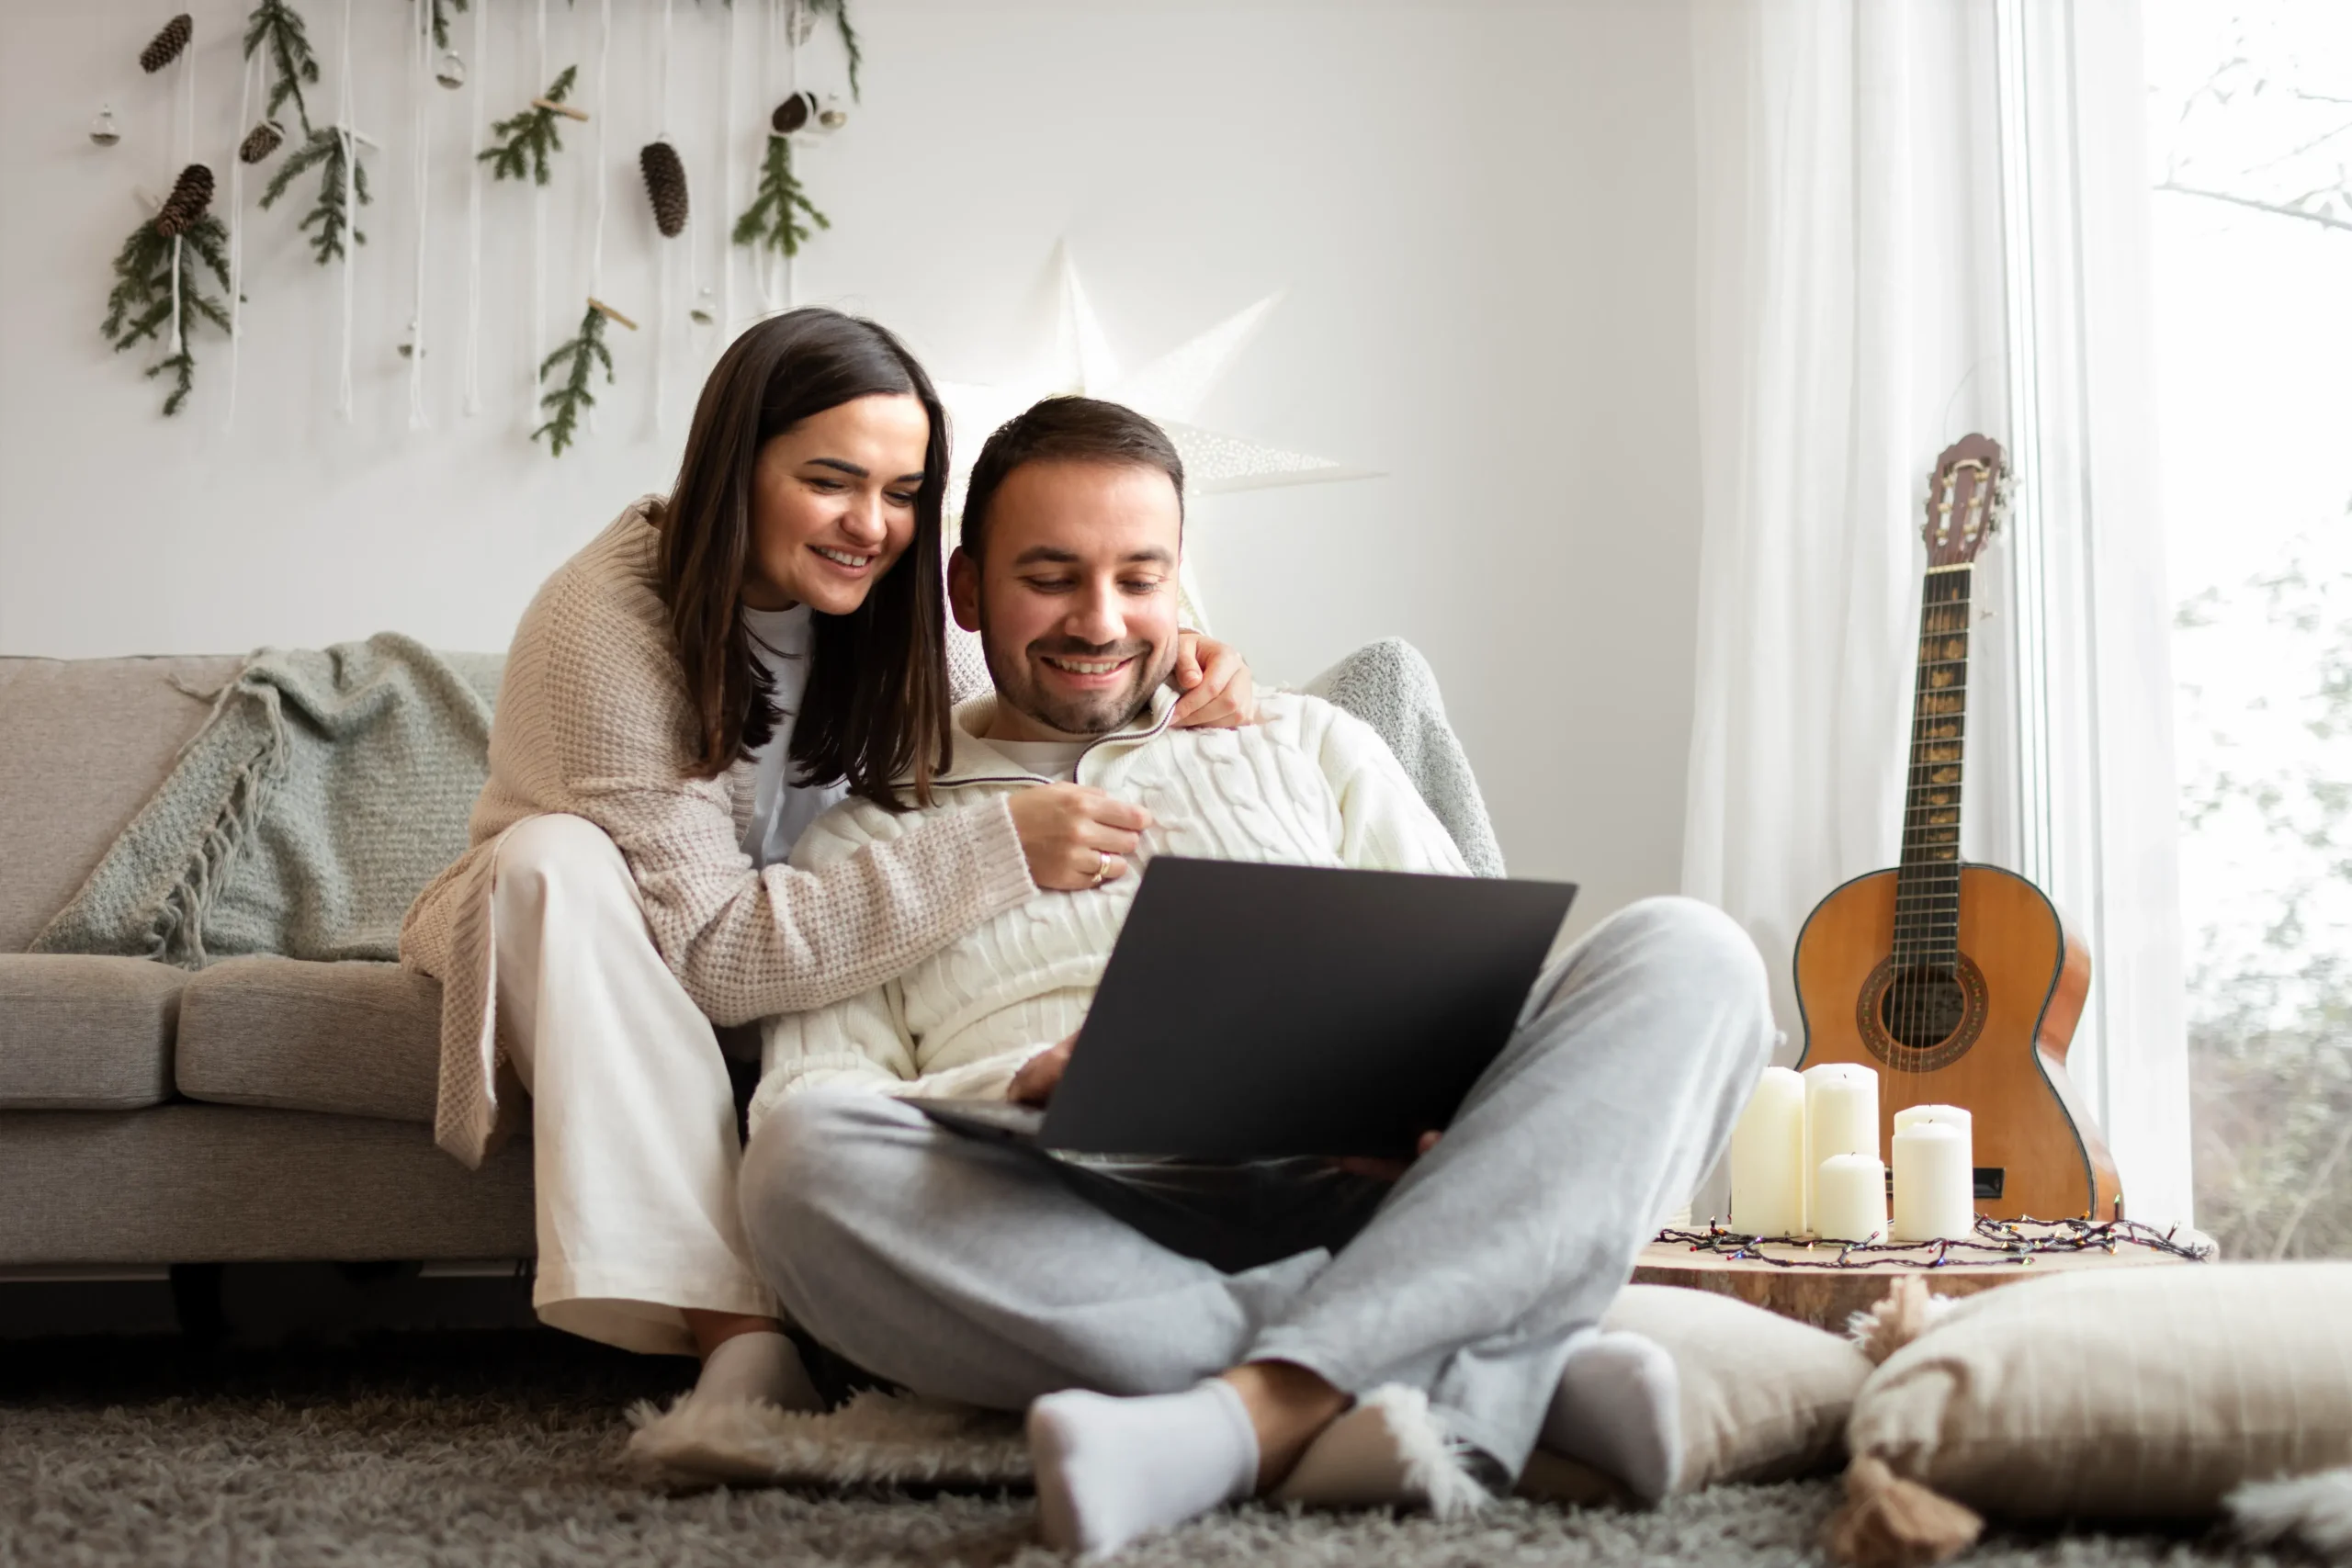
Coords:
pixel 1392 688
pixel 328 786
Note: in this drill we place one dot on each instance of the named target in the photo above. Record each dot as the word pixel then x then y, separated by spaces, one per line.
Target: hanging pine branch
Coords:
pixel 277 27
pixel 838 11
pixel 139 306
pixel 343 174
pixel 773 221
pixel 531 135
pixel 579 358
pixel 441 11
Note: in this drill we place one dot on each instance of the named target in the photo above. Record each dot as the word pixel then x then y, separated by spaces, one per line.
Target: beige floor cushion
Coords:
pixel 2125 1393
pixel 1762 1397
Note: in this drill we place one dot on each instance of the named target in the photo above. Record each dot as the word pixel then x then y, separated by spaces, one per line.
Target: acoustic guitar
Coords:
pixel 1960 983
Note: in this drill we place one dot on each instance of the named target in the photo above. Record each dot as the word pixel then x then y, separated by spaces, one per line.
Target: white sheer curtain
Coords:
pixel 1917 219
pixel 1848 332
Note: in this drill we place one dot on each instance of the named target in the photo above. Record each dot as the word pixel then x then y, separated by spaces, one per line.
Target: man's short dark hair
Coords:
pixel 1066 430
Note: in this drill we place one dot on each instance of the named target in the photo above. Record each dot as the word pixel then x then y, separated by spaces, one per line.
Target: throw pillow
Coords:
pixel 1761 1397
pixel 2136 1393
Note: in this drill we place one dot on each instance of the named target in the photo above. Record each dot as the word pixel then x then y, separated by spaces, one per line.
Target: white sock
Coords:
pixel 762 1366
pixel 1618 1409
pixel 1110 1470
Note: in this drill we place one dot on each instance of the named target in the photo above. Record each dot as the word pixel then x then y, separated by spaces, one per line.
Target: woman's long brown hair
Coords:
pixel 877 706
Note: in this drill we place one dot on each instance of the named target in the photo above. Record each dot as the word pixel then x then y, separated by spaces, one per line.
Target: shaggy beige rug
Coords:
pixel 506 1449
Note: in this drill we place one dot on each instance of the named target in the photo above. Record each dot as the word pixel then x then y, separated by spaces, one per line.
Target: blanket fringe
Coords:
pixel 177 936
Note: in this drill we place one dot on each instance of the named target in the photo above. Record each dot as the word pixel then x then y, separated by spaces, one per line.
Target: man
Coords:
pixel 1444 1323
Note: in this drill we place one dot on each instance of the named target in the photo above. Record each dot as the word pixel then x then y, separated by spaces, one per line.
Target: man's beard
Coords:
pixel 1079 712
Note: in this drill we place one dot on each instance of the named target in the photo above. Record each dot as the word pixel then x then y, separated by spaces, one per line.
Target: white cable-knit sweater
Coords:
pixel 1308 785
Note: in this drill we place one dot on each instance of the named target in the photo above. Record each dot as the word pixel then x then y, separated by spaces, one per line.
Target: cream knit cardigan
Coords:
pixel 592 720
pixel 1306 785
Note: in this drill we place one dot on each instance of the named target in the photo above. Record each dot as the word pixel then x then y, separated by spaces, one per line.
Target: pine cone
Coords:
pixel 191 194
pixel 665 185
pixel 167 44
pixel 260 142
pixel 793 113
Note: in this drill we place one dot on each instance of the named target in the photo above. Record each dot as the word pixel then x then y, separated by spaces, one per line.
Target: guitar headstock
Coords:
pixel 1966 495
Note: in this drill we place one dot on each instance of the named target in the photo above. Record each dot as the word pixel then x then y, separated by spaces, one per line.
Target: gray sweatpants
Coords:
pixel 969 1269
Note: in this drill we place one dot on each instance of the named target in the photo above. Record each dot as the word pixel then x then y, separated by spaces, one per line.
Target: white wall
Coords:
pixel 1482 213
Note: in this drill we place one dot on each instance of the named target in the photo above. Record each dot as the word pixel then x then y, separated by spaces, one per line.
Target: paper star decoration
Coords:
pixel 1170 391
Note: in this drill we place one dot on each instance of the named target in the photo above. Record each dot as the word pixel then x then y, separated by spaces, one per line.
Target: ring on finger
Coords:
pixel 1101 867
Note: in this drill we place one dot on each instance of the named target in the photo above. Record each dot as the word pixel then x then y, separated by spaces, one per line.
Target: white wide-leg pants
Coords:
pixel 633 1129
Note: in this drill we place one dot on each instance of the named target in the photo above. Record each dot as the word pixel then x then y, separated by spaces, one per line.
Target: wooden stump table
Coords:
pixel 1827 1297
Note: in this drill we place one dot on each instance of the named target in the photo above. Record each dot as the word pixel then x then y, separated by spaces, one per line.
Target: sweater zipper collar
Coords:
pixel 1164 702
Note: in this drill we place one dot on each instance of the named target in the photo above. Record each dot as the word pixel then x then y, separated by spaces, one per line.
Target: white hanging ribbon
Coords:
pixel 763 264
pixel 666 288
pixel 186 148
pixel 420 83
pixel 246 78
pixel 350 213
pixel 538 245
pixel 603 174
pixel 726 135
pixel 792 19
pixel 473 212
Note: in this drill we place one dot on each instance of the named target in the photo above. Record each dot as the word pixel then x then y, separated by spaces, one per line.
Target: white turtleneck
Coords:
pixel 782 810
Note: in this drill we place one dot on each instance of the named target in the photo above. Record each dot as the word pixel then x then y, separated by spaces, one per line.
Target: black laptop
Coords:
pixel 1257 1011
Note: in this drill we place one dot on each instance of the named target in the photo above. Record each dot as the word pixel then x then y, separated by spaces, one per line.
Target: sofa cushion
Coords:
pixel 220 1184
pixel 355 1038
pixel 85 1033
pixel 82 743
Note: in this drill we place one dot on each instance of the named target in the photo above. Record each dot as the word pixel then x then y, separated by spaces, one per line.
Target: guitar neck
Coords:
pixel 1927 896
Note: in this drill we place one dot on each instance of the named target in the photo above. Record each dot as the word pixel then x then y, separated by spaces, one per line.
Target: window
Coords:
pixel 2250 139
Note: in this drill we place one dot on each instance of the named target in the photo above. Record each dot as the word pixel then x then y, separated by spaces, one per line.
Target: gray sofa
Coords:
pixel 260 1109
pixel 270 1109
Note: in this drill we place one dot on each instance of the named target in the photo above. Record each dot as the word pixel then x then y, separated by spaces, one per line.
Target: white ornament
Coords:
pixel 1170 390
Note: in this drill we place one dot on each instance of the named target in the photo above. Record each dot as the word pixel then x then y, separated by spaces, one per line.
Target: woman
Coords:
pixel 682 698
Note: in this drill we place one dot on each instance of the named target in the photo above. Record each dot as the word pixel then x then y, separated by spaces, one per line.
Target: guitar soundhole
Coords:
pixel 1918 1018
pixel 1923 1008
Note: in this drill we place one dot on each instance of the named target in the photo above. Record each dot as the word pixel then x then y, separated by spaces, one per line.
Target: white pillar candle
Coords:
pixel 1849 1198
pixel 1840 1112
pixel 1768 1159
pixel 1935 1185
pixel 1950 1114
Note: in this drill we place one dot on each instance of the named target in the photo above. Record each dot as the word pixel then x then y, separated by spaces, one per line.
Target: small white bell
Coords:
pixel 103 129
pixel 703 314
pixel 451 70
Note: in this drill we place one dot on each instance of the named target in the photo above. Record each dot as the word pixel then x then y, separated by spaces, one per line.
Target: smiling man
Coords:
pixel 1467 1294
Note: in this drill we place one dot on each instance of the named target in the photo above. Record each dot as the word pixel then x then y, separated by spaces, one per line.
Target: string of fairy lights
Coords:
pixel 1995 1243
